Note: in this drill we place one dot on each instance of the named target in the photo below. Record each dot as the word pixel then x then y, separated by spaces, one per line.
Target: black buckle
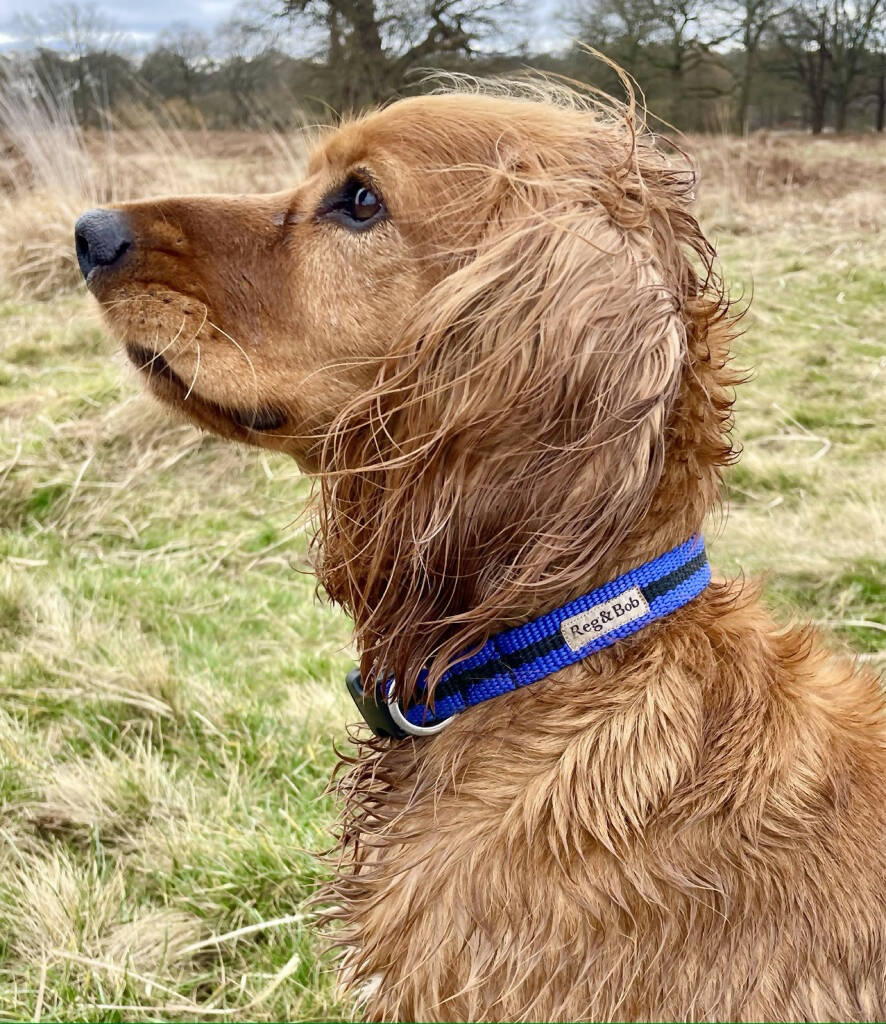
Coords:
pixel 376 714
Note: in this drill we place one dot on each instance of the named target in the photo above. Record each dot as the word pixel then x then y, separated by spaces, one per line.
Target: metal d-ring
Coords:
pixel 408 727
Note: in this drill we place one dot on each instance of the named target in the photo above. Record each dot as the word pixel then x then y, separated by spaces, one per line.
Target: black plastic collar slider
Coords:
pixel 375 712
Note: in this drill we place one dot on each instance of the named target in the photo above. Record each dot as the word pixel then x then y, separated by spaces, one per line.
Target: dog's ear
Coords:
pixel 518 432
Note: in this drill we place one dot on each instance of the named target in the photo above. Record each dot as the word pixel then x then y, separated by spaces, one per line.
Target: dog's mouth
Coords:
pixel 167 385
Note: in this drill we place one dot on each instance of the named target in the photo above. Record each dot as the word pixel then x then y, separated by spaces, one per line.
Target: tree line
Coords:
pixel 702 65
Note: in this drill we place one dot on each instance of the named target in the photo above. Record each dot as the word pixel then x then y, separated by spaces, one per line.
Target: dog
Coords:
pixel 604 785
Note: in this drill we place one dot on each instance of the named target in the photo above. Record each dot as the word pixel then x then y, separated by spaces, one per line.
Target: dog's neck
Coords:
pixel 696 446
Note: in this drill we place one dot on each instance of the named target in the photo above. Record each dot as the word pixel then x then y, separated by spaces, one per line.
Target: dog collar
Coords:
pixel 520 656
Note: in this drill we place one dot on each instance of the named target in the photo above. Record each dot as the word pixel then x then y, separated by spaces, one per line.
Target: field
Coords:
pixel 171 687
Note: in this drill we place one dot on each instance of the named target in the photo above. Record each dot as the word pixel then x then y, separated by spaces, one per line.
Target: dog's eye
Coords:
pixel 366 204
pixel 356 205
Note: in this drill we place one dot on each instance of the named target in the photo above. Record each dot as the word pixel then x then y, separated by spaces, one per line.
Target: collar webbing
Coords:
pixel 539 648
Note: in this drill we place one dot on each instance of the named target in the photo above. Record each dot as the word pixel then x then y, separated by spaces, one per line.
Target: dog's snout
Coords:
pixel 102 239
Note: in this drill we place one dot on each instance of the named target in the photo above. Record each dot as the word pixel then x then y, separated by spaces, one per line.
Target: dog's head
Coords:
pixel 485 320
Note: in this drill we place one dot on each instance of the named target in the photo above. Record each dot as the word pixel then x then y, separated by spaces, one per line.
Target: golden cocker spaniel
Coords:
pixel 491 327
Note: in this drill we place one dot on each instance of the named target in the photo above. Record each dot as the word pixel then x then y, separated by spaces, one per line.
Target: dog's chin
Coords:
pixel 251 425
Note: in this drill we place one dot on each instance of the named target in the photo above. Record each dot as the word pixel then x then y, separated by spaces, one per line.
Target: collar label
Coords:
pixel 603 618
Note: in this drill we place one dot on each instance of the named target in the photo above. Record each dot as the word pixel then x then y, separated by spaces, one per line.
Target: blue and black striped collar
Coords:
pixel 539 648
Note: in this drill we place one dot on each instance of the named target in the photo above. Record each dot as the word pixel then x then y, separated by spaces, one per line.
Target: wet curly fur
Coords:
pixel 689 824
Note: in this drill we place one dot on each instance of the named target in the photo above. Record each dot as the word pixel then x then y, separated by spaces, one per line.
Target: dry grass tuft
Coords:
pixel 59 905
pixel 154 941
pixel 108 795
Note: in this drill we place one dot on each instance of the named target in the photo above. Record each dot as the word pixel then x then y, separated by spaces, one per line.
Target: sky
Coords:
pixel 139 18
pixel 142 20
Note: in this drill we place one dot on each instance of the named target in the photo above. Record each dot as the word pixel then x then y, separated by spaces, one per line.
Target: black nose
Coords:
pixel 102 238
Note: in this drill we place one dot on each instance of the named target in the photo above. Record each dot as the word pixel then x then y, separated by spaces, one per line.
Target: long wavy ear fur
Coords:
pixel 518 431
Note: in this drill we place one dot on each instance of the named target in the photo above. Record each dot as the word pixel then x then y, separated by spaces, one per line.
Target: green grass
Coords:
pixel 171 688
pixel 807 503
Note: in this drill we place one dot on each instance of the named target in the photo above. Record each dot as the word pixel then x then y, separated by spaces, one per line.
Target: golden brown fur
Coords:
pixel 514 388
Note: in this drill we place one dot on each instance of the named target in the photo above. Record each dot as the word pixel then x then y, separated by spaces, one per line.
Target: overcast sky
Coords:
pixel 143 19
pixel 140 18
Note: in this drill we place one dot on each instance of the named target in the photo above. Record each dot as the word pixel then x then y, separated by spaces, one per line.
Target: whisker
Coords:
pixel 242 350
pixel 170 343
pixel 196 371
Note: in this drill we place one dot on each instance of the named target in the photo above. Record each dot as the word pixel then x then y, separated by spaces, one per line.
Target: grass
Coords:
pixel 171 688
pixel 798 227
pixel 170 696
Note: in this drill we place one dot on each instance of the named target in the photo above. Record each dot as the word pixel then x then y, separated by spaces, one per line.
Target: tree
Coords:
pixel 751 19
pixel 622 29
pixel 80 51
pixel 247 57
pixel 804 37
pixel 668 46
pixel 877 62
pixel 370 47
pixel 686 37
pixel 176 64
pixel 827 43
pixel 851 31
